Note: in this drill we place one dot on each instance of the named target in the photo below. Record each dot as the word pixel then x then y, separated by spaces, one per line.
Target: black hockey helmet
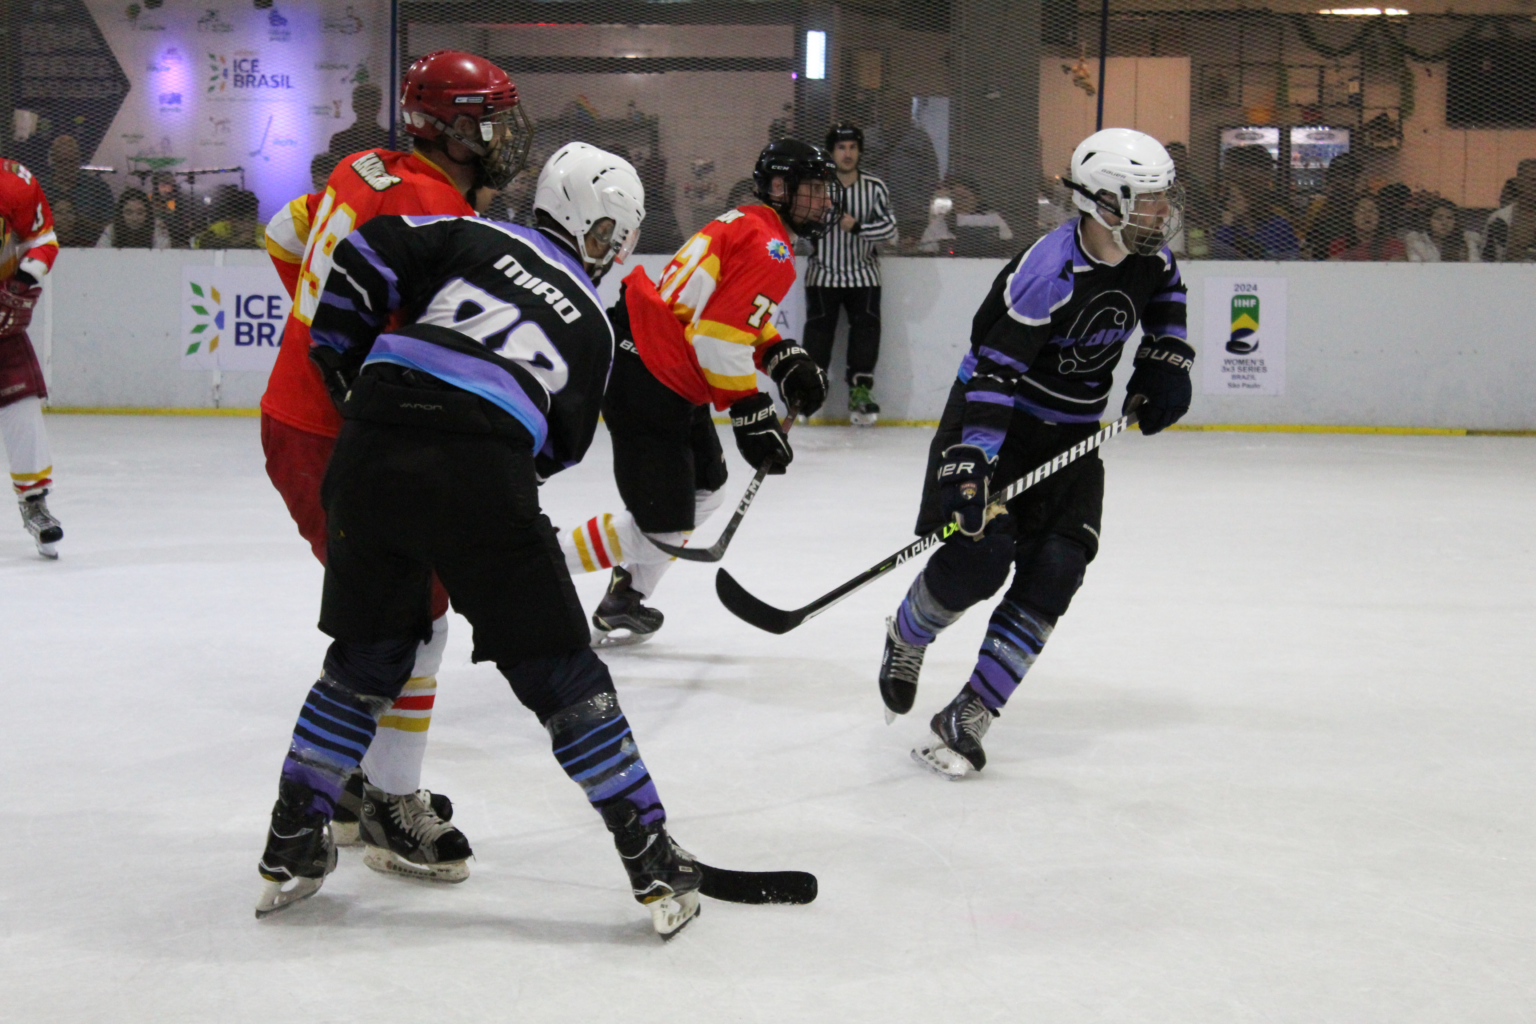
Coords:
pixel 797 163
pixel 844 131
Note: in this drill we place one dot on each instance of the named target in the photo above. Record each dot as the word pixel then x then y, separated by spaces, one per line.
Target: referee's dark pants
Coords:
pixel 863 306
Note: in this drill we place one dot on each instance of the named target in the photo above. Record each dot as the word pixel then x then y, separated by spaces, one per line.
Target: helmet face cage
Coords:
pixel 1149 221
pixel 506 136
pixel 796 164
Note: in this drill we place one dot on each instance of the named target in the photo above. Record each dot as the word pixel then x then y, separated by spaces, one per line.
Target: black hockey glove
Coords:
pixel 1162 378
pixel 337 369
pixel 962 476
pixel 759 436
pixel 802 384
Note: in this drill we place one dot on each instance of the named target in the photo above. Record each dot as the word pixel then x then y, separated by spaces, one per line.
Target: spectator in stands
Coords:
pixel 1365 240
pixel 1254 225
pixel 234 222
pixel 364 132
pixel 910 167
pixel 1200 211
pixel 66 226
pixel 88 195
pixel 177 212
pixel 660 232
pixel 320 168
pixel 741 192
pixel 1392 200
pixel 958 224
pixel 1511 235
pixel 1442 240
pixel 1330 213
pixel 134 226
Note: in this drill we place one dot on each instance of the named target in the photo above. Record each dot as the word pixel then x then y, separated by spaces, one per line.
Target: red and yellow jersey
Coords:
pixel 701 330
pixel 27 241
pixel 301 239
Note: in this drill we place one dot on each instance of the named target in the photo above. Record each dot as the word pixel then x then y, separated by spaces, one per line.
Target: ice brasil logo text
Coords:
pixel 257 321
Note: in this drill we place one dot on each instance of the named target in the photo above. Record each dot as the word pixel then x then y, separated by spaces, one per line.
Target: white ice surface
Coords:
pixel 1275 765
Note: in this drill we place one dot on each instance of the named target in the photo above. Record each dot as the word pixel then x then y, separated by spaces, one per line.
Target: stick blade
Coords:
pixel 689 554
pixel 758 887
pixel 751 610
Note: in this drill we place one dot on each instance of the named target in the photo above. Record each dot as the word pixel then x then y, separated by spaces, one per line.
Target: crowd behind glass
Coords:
pixel 1246 216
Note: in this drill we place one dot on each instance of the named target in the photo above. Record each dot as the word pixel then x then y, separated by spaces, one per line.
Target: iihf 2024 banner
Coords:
pixel 1243 351
pixel 231 318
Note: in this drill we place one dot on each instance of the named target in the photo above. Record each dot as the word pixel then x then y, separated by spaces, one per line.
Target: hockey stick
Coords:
pixel 776 620
pixel 757 886
pixel 716 551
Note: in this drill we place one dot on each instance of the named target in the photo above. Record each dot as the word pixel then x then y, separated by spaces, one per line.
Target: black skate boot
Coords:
pixel 344 831
pixel 405 836
pixel 299 851
pixel 622 612
pixel 863 411
pixel 45 529
pixel 899 668
pixel 662 874
pixel 955 747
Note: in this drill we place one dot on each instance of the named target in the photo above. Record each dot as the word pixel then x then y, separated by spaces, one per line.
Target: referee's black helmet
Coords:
pixel 844 131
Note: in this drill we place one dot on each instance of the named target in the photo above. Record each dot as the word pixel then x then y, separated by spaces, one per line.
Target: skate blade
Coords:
pixel 48 551
pixel 890 716
pixel 387 862
pixel 346 833
pixel 940 760
pixel 277 896
pixel 618 638
pixel 671 914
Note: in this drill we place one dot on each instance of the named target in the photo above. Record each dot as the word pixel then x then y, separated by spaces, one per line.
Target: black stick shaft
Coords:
pixel 739 602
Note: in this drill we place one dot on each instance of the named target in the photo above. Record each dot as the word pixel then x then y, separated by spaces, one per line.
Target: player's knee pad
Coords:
pixel 372 670
pixel 548 683
pixel 1051 574
pixel 964 571
pixel 429 654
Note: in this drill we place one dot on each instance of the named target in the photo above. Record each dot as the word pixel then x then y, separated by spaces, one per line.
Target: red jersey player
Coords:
pixel 694 341
pixel 471 139
pixel 27 252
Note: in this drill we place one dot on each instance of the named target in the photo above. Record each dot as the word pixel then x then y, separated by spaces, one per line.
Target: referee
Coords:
pixel 844 273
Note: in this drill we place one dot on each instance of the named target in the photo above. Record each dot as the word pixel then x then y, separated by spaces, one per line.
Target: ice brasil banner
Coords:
pixel 1243 351
pixel 231 318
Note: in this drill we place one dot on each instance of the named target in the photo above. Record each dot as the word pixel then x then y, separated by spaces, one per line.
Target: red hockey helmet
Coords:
pixel 445 84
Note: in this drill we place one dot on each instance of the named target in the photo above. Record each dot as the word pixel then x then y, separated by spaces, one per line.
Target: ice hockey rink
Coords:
pixel 1275 765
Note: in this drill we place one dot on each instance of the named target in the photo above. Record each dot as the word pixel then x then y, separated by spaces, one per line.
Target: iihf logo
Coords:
pixel 208 320
pixel 1245 325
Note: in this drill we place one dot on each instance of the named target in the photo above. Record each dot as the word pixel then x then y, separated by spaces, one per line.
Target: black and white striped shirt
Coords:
pixel 850 259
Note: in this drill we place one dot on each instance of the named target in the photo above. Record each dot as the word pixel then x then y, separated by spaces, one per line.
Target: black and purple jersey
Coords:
pixel 1050 332
pixel 498 310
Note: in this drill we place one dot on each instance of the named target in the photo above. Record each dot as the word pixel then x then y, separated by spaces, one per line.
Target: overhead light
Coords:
pixel 815 55
pixel 1365 12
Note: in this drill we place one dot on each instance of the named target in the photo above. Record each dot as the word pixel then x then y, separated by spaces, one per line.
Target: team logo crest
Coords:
pixel 778 250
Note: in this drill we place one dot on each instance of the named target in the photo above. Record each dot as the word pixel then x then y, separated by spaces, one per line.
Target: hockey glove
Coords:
pixel 1162 378
pixel 962 477
pixel 337 369
pixel 17 301
pixel 758 434
pixel 802 384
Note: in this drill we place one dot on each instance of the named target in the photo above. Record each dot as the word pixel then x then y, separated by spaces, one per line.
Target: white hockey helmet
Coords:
pixel 1128 176
pixel 582 185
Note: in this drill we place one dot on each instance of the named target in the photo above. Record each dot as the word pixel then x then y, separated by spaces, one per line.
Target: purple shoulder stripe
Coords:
pixel 361 245
pixel 1036 288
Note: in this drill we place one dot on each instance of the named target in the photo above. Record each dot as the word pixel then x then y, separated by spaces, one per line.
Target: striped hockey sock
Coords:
pixel 334 730
pixel 1015 637
pixel 593 743
pixel 393 762
pixel 921 618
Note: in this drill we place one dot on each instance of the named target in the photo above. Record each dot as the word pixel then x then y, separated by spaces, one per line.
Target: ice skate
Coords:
pixel 899 668
pixel 863 411
pixel 955 747
pixel 41 524
pixel 621 618
pixel 405 836
pixel 662 875
pixel 299 851
pixel 344 829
